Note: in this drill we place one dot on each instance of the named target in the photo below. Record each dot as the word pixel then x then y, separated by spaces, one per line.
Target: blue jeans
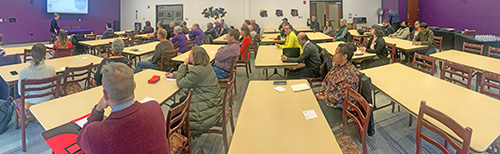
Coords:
pixel 220 73
pixel 430 51
pixel 145 65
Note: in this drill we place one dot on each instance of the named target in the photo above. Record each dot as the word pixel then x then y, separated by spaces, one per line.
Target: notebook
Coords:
pixel 291 52
pixel 300 87
pixel 62 139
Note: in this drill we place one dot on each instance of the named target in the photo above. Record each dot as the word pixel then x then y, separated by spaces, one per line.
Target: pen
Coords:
pixel 170 71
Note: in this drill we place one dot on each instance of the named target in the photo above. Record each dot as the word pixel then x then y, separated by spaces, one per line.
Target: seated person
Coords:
pixel 313 24
pixel 309 61
pixel 211 30
pixel 218 28
pixel 343 30
pixel 402 33
pixel 425 37
pixel 256 26
pixel 170 30
pixel 62 42
pixel 388 30
pixel 159 26
pixel 415 30
pixel 196 33
pixel 328 28
pixel 253 33
pixel 185 30
pixel 116 51
pixel 206 101
pixel 179 38
pixel 224 28
pixel 109 30
pixel 376 45
pixel 245 43
pixel 283 23
pixel 155 61
pixel 224 56
pixel 291 39
pixel 36 70
pixel 333 88
pixel 147 28
pixel 131 126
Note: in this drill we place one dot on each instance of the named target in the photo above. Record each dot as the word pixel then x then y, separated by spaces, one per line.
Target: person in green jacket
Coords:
pixel 342 31
pixel 291 39
pixel 402 33
pixel 206 101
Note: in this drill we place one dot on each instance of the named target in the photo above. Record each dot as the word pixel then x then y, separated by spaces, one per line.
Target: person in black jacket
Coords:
pixel 54 28
pixel 376 45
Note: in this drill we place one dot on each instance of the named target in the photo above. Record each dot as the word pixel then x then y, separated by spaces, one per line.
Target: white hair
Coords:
pixel 118 46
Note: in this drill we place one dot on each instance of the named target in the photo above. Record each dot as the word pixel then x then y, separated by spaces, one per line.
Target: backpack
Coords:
pixel 6 111
pixel 326 63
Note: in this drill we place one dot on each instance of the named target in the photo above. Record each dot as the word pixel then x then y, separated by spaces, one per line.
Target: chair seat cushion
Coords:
pixel 177 142
pixel 227 112
pixel 347 145
pixel 28 114
pixel 72 88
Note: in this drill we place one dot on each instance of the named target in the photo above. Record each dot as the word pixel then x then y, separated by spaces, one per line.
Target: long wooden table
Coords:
pixel 211 50
pixel 274 122
pixel 20 50
pixel 478 62
pixel 145 36
pixel 276 30
pixel 58 63
pixel 318 37
pixel 404 45
pixel 315 37
pixel 354 32
pixel 59 111
pixel 269 38
pixel 269 56
pixel 101 42
pixel 465 106
pixel 331 47
pixel 222 39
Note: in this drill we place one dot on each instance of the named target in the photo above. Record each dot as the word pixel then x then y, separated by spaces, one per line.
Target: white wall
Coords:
pixel 192 11
pixel 238 10
pixel 362 8
pixel 272 21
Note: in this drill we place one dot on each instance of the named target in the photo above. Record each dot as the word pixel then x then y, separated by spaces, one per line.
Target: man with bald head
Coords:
pixel 309 60
pixel 256 26
pixel 196 33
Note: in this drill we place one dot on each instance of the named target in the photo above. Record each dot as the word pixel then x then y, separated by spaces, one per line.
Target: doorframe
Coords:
pixel 339 2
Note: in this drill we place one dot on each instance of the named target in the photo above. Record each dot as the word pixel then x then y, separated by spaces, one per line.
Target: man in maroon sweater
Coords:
pixel 131 127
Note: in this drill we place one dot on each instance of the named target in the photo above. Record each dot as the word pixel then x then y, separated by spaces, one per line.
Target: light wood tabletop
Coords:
pixel 269 56
pixel 144 49
pixel 409 86
pixel 274 122
pixel 478 62
pixel 354 32
pixel 211 50
pixel 317 36
pixel 59 111
pixel 404 44
pixel 276 30
pixel 122 32
pixel 221 39
pixel 20 50
pixel 331 47
pixel 93 43
pixel 271 30
pixel 58 63
pixel 270 38
pixel 145 36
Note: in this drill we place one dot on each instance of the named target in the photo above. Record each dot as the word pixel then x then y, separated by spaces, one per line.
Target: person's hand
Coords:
pixel 362 48
pixel 169 75
pixel 333 40
pixel 101 105
pixel 308 21
pixel 277 45
pixel 283 58
pixel 186 61
pixel 299 65
pixel 416 43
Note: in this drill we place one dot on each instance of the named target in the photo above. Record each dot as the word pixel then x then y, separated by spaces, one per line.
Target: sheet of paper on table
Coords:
pixel 309 114
pixel 300 87
pixel 279 89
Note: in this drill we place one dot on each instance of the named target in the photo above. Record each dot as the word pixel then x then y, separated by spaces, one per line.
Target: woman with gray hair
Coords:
pixel 36 70
pixel 116 56
pixel 211 30
pixel 180 39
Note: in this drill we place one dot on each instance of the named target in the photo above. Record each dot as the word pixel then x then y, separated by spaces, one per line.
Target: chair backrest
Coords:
pixel 424 63
pixel 167 56
pixel 365 42
pixel 82 73
pixel 438 41
pixel 493 52
pixel 490 80
pixel 364 28
pixel 110 35
pixel 90 36
pixel 232 71
pixel 178 116
pixel 228 98
pixel 392 49
pixel 51 83
pixel 356 40
pixel 129 34
pixel 474 48
pixel 76 27
pixel 136 40
pixel 190 44
pixel 27 55
pixel 464 72
pixel 464 133
pixel 64 52
pixel 354 111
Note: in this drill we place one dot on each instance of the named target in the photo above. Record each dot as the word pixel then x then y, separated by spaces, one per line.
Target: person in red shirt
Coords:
pixel 245 44
pixel 62 42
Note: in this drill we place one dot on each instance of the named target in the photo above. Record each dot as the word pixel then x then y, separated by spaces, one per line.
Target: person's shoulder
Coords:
pixel 152 104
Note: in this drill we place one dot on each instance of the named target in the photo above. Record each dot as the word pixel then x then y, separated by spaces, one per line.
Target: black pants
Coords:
pixel 52 38
pixel 332 115
pixel 303 73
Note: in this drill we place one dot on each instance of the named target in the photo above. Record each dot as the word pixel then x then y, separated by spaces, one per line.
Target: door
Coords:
pixel 412 9
pixel 334 12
